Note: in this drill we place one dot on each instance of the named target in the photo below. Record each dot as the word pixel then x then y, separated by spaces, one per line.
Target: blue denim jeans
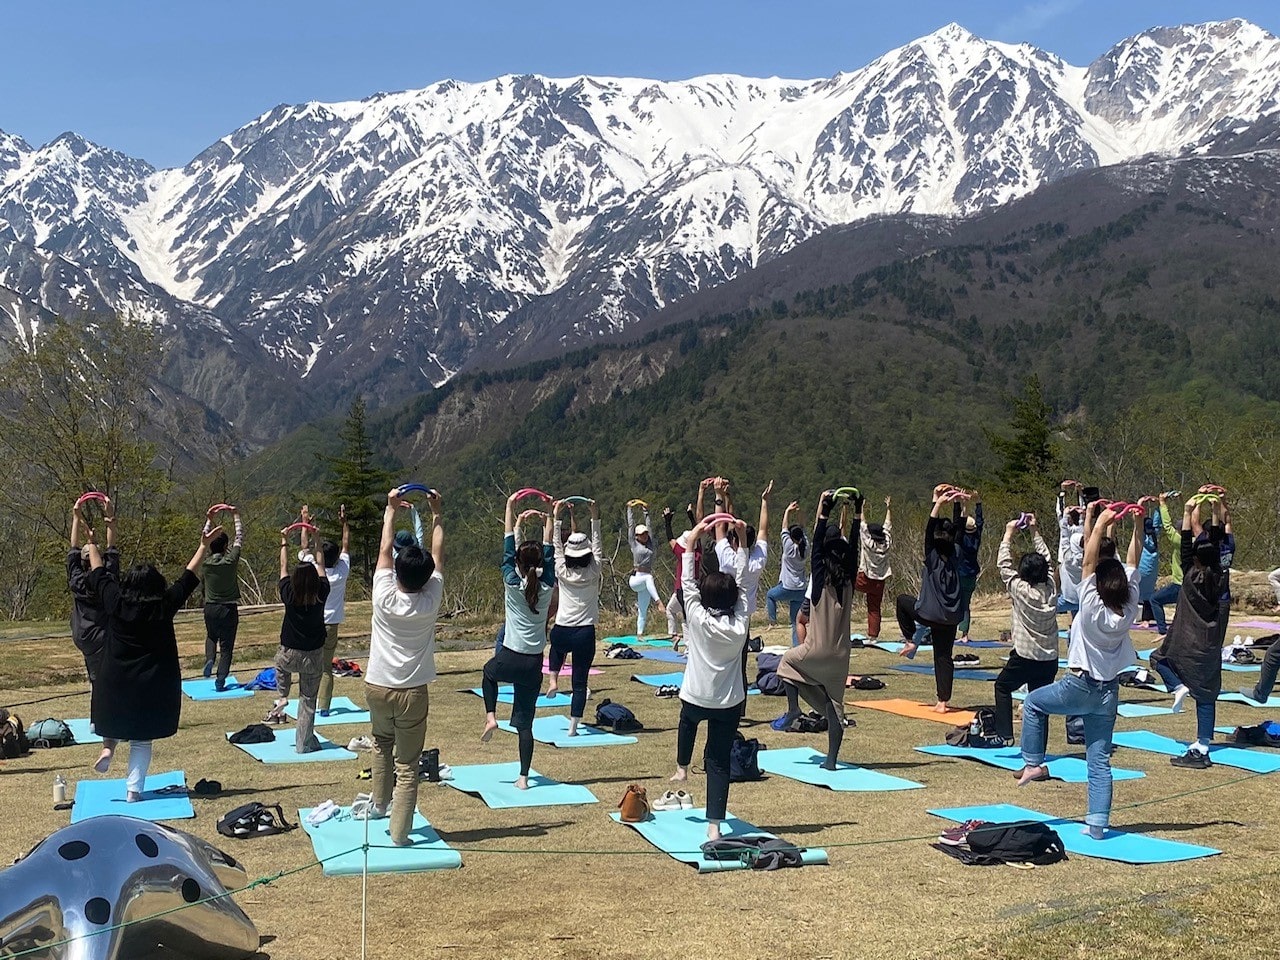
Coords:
pixel 1159 600
pixel 795 598
pixel 1206 712
pixel 1093 700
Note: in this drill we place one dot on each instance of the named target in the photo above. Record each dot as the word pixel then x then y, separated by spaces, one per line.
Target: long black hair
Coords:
pixel 143 583
pixel 796 533
pixel 304 584
pixel 528 560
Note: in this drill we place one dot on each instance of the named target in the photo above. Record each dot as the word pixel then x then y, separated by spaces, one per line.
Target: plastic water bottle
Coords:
pixel 59 789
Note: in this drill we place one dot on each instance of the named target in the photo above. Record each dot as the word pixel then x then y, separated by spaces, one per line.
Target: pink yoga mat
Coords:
pixel 546 669
pixel 1259 625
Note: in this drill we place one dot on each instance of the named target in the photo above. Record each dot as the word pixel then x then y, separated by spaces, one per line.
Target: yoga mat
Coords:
pixel 1134 710
pixel 681 833
pixel 1230 667
pixel 80 730
pixel 962 673
pixel 1273 702
pixel 1066 769
pixel 564 671
pixel 917 711
pixel 1064 634
pixel 1122 847
pixel 555 731
pixel 494 783
pixel 665 656
pixel 675 679
pixel 1222 755
pixel 100 798
pixel 203 690
pixel 282 751
pixel 636 641
pixel 507 695
pixel 1258 625
pixel 888 646
pixel 984 645
pixel 343 841
pixel 341 711
pixel 805 764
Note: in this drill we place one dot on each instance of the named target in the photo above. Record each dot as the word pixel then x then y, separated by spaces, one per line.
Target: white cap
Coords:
pixel 641 528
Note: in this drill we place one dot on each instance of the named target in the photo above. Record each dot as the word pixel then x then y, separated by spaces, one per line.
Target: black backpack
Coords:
pixel 617 717
pixel 254 820
pixel 13 739
pixel 1256 735
pixel 1036 843
pixel 744 759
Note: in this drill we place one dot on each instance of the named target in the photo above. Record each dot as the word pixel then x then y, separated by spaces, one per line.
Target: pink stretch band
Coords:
pixel 92 495
pixel 300 526
pixel 533 492
pixel 720 518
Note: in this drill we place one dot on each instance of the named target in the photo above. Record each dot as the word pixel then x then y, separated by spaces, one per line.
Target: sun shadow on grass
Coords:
pixel 802 828
pixel 520 831
pixel 1176 827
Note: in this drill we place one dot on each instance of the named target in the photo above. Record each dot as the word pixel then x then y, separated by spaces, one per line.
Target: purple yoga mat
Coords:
pixel 1259 625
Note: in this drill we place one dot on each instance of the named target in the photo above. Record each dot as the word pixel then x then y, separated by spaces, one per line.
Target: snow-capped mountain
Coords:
pixel 378 244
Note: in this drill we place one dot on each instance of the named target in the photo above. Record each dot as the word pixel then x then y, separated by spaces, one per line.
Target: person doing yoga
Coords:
pixel 529 580
pixel 1100 648
pixel 221 575
pixel 303 591
pixel 641 580
pixel 816 669
pixel 875 569
pixel 578 574
pixel 715 635
pixel 678 545
pixel 793 578
pixel 968 544
pixel 337 569
pixel 88 620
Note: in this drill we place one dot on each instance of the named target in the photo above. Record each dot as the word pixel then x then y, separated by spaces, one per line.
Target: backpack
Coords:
pixel 808 723
pixel 634 805
pixel 13 738
pixel 980 732
pixel 50 733
pixel 265 680
pixel 617 717
pixel 1036 843
pixel 620 651
pixel 770 684
pixel 254 820
pixel 744 759
pixel 1258 735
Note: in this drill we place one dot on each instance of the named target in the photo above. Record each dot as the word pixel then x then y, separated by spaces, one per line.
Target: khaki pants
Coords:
pixel 399 719
pixel 326 678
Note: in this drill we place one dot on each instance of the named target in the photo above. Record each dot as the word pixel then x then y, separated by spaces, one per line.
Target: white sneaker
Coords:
pixel 668 801
pixel 686 800
pixel 358 744
pixel 363 808
pixel 1179 695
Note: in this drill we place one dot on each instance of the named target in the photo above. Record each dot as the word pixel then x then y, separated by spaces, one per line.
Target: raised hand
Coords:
pixel 207 538
pixel 767 490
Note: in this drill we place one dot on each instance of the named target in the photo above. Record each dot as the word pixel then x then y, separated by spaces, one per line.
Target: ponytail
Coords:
pixel 528 562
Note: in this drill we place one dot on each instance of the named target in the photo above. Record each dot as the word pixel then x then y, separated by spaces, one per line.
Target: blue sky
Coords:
pixel 161 79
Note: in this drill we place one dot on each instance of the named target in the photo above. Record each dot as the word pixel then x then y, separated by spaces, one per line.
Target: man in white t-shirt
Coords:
pixel 407 589
pixel 337 568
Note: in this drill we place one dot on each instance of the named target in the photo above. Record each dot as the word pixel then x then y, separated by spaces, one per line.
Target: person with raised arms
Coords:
pixel 337 570
pixel 1100 648
pixel 875 569
pixel 640 538
pixel 529 580
pixel 578 575
pixel 88 619
pixel 968 546
pixel 678 545
pixel 138 696
pixel 715 634
pixel 793 578
pixel 221 576
pixel 407 590
pixel 1070 546
pixel 303 591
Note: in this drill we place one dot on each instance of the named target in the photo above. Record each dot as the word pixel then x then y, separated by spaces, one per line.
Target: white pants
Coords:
pixel 1273 578
pixel 139 763
pixel 646 593
pixel 675 614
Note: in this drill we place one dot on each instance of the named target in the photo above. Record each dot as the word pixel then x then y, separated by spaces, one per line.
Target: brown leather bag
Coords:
pixel 634 805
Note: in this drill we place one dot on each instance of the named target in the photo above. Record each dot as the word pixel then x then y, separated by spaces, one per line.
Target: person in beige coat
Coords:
pixel 817 668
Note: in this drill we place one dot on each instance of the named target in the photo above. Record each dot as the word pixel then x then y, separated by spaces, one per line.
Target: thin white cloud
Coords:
pixel 1034 17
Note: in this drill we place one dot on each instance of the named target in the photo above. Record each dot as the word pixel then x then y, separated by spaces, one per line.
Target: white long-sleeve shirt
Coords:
pixel 748 570
pixel 713 678
pixel 1100 641
pixel 579 586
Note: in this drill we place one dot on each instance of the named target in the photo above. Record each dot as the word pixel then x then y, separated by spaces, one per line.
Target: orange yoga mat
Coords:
pixel 917 711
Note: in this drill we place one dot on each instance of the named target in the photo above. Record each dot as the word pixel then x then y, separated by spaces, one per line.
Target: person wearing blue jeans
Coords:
pixel 1261 692
pixel 793 577
pixel 1100 648
pixel 1159 600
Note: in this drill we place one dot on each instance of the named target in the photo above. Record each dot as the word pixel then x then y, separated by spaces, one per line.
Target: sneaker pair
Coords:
pixel 276 714
pixel 359 744
pixel 667 691
pixel 673 800
pixel 1192 760
pixel 965 660
pixel 959 835
pixel 363 808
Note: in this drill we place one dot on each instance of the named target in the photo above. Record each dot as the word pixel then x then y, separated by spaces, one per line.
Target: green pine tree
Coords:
pixel 1029 457
pixel 359 484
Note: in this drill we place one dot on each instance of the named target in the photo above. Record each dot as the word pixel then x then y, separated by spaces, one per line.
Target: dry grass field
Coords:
pixel 567 882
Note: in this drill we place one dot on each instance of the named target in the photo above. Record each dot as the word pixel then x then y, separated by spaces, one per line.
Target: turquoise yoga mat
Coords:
pixel 1229 667
pixel 1130 710
pixel 672 679
pixel 961 673
pixel 1273 703
pixel 342 710
pixel 681 833
pixel 1066 769
pixel 203 690
pixel 555 731
pixel 80 729
pixel 805 764
pixel 607 642
pixel 1222 755
pixel 282 750
pixel 664 656
pixel 494 783
pixel 506 694
pixel 1137 848
pixel 100 798
pixel 338 842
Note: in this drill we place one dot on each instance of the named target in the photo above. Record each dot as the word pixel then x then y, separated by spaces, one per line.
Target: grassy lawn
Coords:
pixel 527 890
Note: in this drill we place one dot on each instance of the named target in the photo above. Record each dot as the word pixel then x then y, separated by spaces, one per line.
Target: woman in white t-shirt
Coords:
pixel 574 632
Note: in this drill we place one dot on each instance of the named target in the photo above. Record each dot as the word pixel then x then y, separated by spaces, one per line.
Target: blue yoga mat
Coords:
pixel 555 731
pixel 674 679
pixel 1224 755
pixel 1133 710
pixel 633 641
pixel 342 840
pixel 342 710
pixel 1066 769
pixel 506 694
pixel 100 798
pixel 1229 667
pixel 80 730
pixel 681 833
pixel 282 750
pixel 805 764
pixel 983 645
pixel 664 656
pixel 1273 702
pixel 494 783
pixel 962 673
pixel 203 690
pixel 1122 847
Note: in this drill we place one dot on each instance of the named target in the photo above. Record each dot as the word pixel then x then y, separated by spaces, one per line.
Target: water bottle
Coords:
pixel 59 789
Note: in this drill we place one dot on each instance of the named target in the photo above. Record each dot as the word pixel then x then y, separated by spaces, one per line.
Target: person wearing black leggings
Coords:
pixel 715 633
pixel 940 605
pixel 574 633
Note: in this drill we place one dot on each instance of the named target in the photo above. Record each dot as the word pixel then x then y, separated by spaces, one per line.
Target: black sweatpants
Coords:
pixel 524 672
pixel 1019 670
pixel 944 643
pixel 221 622
pixel 580 642
pixel 722 724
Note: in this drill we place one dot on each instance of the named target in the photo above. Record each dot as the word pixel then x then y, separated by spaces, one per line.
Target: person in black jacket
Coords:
pixel 940 606
pixel 138 696
pixel 302 637
pixel 88 622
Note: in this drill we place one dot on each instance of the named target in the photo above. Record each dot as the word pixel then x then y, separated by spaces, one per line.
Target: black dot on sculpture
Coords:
pixel 73 850
pixel 190 890
pixel 148 846
pixel 97 910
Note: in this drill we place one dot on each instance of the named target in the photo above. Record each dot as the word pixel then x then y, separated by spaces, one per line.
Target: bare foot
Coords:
pixel 962 639
pixel 713 830
pixel 1032 775
pixel 522 783
pixel 909 650
pixel 490 725
pixel 941 707
pixel 104 761
pixel 133 796
pixel 680 776
pixel 552 688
